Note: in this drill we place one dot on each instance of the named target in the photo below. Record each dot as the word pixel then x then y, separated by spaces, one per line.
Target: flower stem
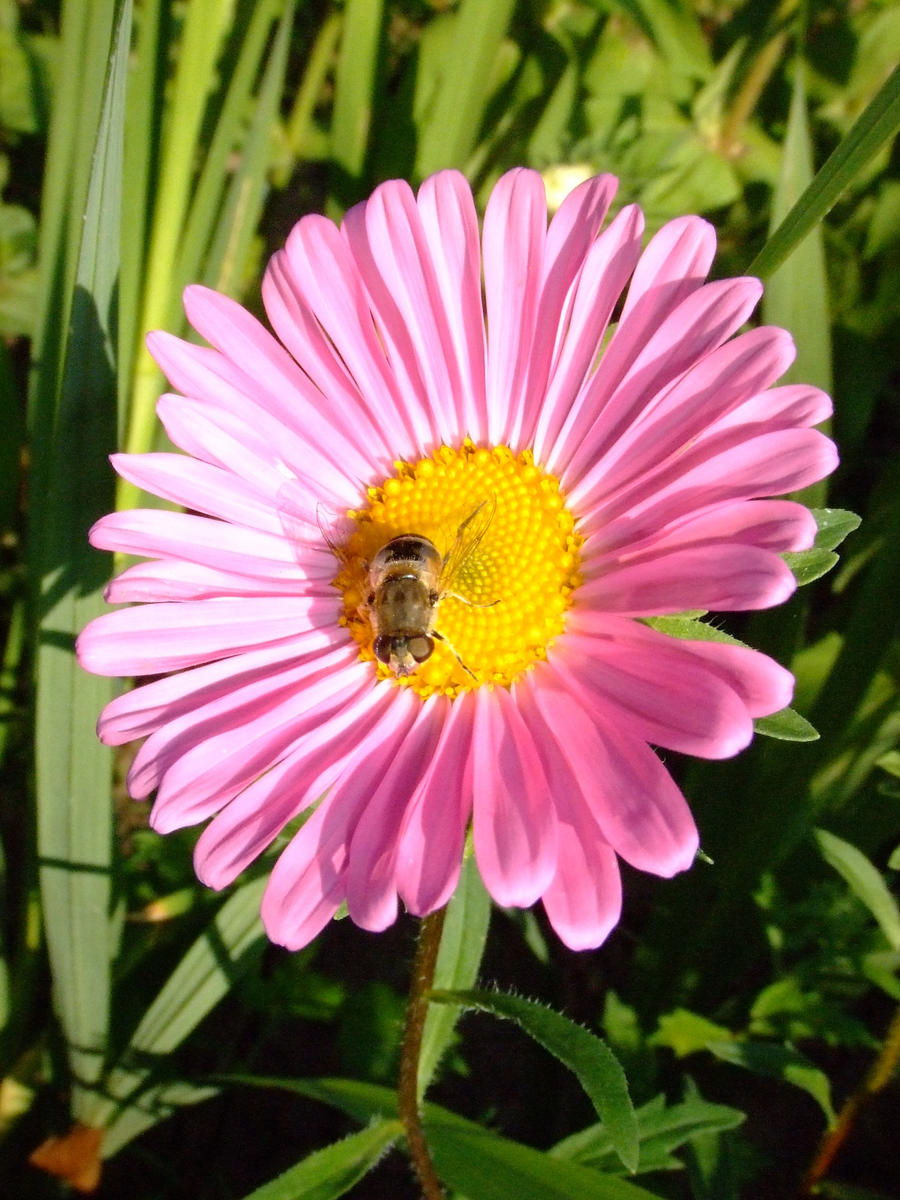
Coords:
pixel 407 1091
pixel 880 1074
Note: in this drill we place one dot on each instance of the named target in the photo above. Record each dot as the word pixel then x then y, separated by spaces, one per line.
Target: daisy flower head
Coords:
pixel 425 526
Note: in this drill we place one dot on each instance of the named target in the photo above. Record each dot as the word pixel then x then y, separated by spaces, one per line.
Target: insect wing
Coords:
pixel 306 522
pixel 468 537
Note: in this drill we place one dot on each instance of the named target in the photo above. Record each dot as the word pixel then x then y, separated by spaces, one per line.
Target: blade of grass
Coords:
pixel 449 131
pixel 205 25
pixel 355 86
pixel 873 128
pixel 240 215
pixel 73 771
pixel 203 976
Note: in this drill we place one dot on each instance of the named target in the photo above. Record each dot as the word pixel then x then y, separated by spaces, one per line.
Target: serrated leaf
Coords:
pixel 786 725
pixel 690 628
pixel 864 880
pixel 586 1055
pixel 333 1171
pixel 779 1062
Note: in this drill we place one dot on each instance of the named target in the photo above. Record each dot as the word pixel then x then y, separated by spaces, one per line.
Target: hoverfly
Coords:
pixel 408 579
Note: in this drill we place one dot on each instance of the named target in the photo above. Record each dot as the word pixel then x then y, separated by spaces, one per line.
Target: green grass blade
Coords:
pixel 448 132
pixel 207 971
pixel 355 86
pixel 205 25
pixel 874 127
pixel 334 1170
pixel 459 957
pixel 239 219
pixel 73 771
pixel 206 205
pixel 796 295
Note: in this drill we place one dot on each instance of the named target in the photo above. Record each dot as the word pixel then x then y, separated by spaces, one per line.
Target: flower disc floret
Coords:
pixel 507 602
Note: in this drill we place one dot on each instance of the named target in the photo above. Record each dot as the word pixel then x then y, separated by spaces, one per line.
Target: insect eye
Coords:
pixel 421 648
pixel 382 648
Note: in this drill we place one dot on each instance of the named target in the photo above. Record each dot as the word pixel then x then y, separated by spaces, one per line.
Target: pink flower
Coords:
pixel 574 476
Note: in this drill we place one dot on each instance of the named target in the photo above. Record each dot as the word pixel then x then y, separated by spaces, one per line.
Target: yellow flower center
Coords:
pixel 507 554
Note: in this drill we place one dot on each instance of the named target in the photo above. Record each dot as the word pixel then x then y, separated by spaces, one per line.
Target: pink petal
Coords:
pixel 609 263
pixel 584 899
pixel 451 227
pixel 728 466
pixel 514 823
pixel 569 238
pixel 389 242
pixel 153 638
pixel 200 486
pixel 763 685
pixel 637 806
pixel 636 679
pixel 673 266
pixel 778 525
pixel 255 817
pixel 793 404
pixel 252 718
pixel 433 832
pixel 371 887
pixel 632 372
pixel 169 579
pixel 309 877
pixel 719 383
pixel 144 709
pixel 722 578
pixel 513 241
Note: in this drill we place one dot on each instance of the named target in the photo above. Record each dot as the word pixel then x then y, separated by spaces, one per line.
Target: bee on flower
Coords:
pixel 519 486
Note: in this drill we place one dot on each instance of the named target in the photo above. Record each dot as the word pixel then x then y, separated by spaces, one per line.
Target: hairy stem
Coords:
pixel 881 1072
pixel 407 1091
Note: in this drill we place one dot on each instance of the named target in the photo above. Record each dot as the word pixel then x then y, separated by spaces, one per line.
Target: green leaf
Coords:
pixel 462 946
pixel 152 1106
pixel 448 128
pixel 355 90
pixel 834 524
pixel 864 880
pixel 476 1162
pixel 587 1056
pixel 786 725
pixel 662 1130
pixel 779 1062
pixel 686 1032
pixel 468 1157
pixel 212 965
pixel 333 1171
pixel 74 428
pixel 810 565
pixel 873 129
pixel 796 295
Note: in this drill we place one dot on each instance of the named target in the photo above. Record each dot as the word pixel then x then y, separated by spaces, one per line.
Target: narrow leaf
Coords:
pixel 587 1056
pixel 779 1062
pixel 335 1170
pixel 875 126
pixel 74 813
pixel 864 880
pixel 449 129
pixel 480 1164
pixel 355 91
pixel 462 946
